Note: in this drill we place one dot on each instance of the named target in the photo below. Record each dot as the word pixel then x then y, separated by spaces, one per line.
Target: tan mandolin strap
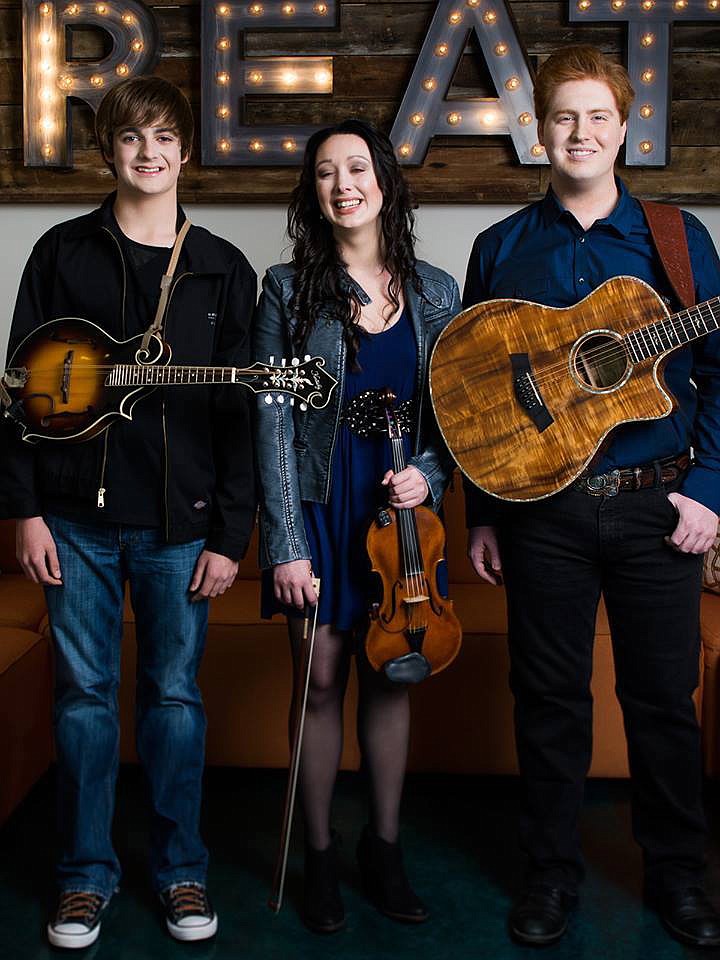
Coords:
pixel 668 232
pixel 166 281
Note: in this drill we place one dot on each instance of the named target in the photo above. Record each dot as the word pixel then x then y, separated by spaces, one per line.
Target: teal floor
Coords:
pixel 460 849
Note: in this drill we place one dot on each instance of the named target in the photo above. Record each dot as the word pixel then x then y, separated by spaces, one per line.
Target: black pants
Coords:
pixel 558 556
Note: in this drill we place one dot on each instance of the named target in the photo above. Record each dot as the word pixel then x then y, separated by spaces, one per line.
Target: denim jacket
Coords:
pixel 294 448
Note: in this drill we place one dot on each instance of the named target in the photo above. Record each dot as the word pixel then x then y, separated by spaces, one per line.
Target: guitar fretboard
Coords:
pixel 128 375
pixel 674 331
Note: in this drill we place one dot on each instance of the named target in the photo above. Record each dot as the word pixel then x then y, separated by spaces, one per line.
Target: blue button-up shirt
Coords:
pixel 543 254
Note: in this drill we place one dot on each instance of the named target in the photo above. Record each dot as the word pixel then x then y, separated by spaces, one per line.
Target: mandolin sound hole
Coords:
pixel 601 362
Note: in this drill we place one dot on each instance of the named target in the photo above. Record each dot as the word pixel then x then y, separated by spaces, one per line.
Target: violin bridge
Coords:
pixel 418 599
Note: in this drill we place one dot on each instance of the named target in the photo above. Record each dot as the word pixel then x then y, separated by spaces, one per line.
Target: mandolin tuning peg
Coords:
pixel 271 361
pixel 280 398
pixel 292 401
pixel 267 398
pixel 307 357
pixel 303 406
pixel 295 362
pixel 283 362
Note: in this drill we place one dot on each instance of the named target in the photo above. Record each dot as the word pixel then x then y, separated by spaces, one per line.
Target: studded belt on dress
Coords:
pixel 365 414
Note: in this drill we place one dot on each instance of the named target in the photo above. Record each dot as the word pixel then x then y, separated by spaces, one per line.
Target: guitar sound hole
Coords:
pixel 601 362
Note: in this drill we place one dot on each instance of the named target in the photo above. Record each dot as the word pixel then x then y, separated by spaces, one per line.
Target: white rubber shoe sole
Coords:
pixel 193 931
pixel 72 936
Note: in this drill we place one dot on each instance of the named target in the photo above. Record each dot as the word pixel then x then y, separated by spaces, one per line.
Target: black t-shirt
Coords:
pixel 132 449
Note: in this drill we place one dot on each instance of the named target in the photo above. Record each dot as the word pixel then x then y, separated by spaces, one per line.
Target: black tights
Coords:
pixel 383 731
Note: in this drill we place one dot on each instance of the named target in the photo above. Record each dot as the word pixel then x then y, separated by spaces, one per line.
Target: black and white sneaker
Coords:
pixel 76 922
pixel 188 913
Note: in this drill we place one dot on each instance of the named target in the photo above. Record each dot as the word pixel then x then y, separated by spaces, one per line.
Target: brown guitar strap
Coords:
pixel 156 326
pixel 667 229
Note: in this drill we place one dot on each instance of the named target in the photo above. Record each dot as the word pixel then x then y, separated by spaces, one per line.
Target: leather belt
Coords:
pixel 634 478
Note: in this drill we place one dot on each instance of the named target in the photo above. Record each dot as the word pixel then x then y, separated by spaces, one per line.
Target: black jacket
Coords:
pixel 208 491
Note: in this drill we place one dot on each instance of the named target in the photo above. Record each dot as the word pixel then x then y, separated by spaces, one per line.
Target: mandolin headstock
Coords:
pixel 305 380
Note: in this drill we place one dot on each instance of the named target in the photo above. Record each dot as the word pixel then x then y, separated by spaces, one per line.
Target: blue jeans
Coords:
pixel 86 616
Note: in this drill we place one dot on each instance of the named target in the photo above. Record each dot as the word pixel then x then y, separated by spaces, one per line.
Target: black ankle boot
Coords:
pixel 384 879
pixel 322 910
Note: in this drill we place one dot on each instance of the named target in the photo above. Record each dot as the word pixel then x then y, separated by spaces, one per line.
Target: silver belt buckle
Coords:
pixel 603 484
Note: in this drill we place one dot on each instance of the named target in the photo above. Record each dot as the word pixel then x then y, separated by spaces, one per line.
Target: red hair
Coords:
pixel 582 62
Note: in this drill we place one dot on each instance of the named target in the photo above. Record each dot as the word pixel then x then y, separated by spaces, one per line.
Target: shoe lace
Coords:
pixel 79 905
pixel 188 899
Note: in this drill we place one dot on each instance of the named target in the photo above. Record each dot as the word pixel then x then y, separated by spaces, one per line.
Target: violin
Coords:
pixel 413 631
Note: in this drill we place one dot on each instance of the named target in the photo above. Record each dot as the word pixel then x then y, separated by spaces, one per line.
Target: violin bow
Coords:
pixel 303 685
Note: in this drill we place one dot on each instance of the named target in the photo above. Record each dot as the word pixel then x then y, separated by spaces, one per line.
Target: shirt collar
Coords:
pixel 620 219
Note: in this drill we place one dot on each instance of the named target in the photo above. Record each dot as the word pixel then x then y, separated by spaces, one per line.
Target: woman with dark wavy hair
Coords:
pixel 356 295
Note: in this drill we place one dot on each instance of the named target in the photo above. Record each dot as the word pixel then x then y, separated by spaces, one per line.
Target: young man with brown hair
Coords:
pixel 640 547
pixel 165 502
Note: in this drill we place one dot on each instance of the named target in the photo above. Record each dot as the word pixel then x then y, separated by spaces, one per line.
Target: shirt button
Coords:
pixel 582 239
pixel 581 279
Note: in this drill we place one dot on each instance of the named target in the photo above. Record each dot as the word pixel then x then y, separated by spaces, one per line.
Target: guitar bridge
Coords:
pixel 527 393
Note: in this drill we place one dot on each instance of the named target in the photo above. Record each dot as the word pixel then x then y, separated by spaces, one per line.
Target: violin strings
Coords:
pixel 410 544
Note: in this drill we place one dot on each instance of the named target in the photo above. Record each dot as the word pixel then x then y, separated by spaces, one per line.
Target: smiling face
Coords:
pixel 147 159
pixel 347 187
pixel 582 133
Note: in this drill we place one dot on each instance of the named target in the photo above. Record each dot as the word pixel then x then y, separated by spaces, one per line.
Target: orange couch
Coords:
pixel 462 719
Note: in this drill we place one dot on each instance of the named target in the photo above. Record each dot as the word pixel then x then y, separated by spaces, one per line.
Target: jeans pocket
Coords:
pixel 668 508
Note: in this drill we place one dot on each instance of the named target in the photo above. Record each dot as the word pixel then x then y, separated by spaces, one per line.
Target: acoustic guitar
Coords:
pixel 526 394
pixel 68 380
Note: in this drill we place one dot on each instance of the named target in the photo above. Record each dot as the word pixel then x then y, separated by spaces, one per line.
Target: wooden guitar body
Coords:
pixel 66 395
pixel 525 394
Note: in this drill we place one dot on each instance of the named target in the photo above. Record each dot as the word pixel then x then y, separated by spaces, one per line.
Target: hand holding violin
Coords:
pixel 406 489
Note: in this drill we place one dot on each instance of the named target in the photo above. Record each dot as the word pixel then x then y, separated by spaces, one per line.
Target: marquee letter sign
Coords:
pixel 649 54
pixel 228 78
pixel 425 112
pixel 51 78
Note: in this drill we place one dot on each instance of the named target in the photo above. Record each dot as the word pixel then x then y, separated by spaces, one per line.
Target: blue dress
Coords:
pixel 336 530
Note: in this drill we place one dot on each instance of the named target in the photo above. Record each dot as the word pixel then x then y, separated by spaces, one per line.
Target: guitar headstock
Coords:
pixel 306 380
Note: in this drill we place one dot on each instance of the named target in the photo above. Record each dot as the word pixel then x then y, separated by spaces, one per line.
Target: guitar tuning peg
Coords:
pixel 292 401
pixel 295 362
pixel 271 361
pixel 267 398
pixel 307 357
pixel 280 398
pixel 303 406
pixel 282 362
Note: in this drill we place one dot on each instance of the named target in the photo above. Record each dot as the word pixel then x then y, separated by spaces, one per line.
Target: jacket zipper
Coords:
pixel 166 453
pixel 420 334
pixel 101 486
pixel 340 395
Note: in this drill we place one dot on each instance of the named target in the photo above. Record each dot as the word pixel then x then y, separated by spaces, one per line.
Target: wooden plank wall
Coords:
pixel 374 50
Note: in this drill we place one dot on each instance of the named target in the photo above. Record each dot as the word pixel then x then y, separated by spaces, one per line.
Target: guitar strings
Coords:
pixel 618 351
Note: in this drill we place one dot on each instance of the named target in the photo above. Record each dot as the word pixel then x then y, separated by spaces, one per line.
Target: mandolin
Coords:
pixel 68 380
pixel 526 394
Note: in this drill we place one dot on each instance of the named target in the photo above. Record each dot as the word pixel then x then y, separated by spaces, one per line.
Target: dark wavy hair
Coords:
pixel 320 280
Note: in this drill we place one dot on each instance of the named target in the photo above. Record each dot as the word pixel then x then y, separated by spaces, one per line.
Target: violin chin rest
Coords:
pixel 410 668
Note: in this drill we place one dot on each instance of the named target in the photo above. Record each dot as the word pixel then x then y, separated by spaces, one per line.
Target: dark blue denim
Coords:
pixel 86 620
